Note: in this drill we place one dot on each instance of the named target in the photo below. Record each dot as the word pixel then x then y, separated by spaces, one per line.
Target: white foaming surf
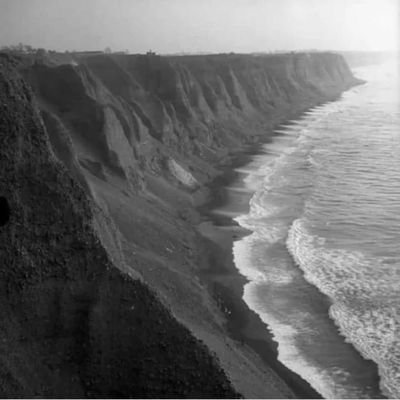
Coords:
pixel 364 294
pixel 327 198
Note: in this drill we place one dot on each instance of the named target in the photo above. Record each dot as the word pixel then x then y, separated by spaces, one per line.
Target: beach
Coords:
pixel 223 277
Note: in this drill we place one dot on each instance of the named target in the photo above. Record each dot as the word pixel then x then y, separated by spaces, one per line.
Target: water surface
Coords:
pixel 323 261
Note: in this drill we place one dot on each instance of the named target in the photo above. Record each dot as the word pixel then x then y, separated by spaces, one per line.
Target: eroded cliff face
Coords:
pixel 132 115
pixel 101 168
pixel 72 324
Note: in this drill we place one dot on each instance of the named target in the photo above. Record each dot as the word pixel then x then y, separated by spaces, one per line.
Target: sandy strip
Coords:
pixel 225 281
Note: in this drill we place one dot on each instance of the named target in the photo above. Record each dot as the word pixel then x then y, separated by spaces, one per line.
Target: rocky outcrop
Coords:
pixel 100 167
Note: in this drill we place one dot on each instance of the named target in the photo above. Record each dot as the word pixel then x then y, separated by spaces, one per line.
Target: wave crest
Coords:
pixel 363 296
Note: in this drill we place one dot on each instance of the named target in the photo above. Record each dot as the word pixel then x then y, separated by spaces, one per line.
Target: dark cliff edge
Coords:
pixel 102 164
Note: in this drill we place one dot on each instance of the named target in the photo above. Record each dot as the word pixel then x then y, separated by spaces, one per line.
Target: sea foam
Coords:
pixel 326 197
pixel 364 293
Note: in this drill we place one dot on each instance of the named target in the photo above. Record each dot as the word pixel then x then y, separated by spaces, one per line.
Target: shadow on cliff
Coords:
pixel 73 325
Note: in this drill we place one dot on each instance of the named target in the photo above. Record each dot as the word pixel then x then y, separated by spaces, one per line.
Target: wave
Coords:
pixel 329 382
pixel 364 295
pixel 326 191
pixel 265 219
pixel 250 260
pixel 276 291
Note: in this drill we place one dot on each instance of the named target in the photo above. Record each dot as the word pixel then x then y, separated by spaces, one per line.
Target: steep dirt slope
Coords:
pixel 72 324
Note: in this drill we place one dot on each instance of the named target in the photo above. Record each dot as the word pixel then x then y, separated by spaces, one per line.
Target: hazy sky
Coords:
pixel 169 26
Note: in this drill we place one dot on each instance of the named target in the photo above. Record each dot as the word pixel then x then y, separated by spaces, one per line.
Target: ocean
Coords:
pixel 323 258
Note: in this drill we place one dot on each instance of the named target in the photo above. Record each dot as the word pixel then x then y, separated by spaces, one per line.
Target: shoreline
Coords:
pixel 226 284
pixel 243 324
pixel 142 292
pixel 224 279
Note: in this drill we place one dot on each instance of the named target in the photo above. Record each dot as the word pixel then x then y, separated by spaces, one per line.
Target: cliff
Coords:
pixel 101 165
pixel 72 324
pixel 134 116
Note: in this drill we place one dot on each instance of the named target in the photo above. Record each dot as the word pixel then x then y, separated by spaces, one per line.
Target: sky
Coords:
pixel 173 26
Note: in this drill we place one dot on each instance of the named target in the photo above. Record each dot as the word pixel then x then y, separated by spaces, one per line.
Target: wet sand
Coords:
pixel 225 281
